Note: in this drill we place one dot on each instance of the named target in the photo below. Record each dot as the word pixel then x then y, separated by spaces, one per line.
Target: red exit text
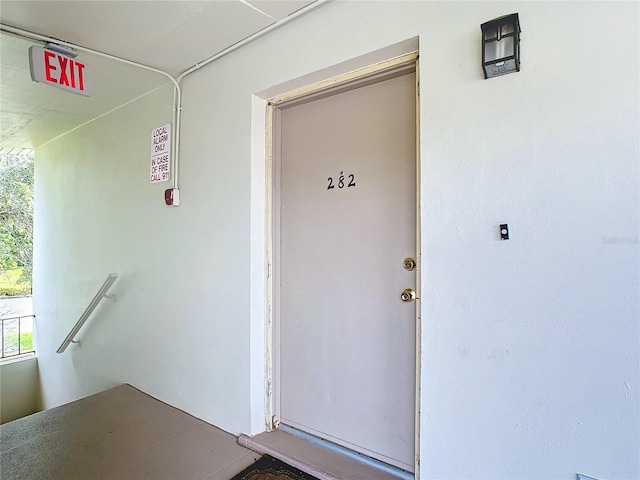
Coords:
pixel 58 70
pixel 63 70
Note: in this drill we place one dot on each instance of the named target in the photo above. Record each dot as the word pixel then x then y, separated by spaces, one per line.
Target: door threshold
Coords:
pixel 316 459
pixel 372 462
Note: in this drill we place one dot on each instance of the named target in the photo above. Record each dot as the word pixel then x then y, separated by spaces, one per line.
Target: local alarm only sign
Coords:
pixel 160 154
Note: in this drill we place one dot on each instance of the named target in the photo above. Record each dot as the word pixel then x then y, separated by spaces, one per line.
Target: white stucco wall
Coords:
pixel 530 356
pixel 19 388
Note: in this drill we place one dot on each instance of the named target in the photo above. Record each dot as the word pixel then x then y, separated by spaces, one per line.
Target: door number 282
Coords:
pixel 341 181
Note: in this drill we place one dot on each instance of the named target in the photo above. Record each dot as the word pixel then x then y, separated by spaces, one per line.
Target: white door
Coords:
pixel 346 181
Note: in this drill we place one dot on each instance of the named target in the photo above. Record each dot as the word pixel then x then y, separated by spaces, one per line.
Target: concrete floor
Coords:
pixel 124 434
pixel 120 434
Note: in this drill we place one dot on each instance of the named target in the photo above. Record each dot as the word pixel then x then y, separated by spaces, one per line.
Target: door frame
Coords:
pixel 329 86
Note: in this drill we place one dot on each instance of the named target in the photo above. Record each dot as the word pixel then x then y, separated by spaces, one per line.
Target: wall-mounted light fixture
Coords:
pixel 501 46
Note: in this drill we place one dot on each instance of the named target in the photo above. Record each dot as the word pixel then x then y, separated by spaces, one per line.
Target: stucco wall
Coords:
pixel 19 388
pixel 529 347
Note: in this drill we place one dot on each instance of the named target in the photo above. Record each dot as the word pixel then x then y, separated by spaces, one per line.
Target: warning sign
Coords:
pixel 160 154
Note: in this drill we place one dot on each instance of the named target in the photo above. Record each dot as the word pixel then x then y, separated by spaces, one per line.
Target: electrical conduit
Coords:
pixel 177 92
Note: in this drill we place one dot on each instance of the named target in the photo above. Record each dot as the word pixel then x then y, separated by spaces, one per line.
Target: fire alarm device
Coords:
pixel 172 196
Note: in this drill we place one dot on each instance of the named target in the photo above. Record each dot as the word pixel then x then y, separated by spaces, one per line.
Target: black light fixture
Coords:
pixel 501 46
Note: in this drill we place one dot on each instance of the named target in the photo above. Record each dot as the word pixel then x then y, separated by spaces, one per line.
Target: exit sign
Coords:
pixel 59 70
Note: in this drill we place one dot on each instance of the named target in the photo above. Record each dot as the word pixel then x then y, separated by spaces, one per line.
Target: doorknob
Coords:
pixel 409 295
pixel 409 264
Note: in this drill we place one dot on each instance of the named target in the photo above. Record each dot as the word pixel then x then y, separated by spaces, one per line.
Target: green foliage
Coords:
pixel 26 342
pixel 10 283
pixel 19 290
pixel 16 219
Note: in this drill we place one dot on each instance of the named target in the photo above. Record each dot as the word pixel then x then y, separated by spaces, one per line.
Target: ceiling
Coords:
pixel 171 35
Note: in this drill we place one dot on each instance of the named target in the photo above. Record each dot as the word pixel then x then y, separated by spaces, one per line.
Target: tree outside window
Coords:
pixel 16 224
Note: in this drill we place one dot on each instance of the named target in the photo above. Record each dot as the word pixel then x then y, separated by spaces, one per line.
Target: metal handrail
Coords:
pixel 88 311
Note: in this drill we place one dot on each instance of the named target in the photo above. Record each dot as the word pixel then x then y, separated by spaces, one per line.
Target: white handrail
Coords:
pixel 88 311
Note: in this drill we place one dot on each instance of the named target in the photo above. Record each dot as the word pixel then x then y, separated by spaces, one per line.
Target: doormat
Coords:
pixel 269 468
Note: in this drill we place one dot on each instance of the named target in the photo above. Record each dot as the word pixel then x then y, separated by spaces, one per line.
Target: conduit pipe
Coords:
pixel 177 93
pixel 235 46
pixel 250 38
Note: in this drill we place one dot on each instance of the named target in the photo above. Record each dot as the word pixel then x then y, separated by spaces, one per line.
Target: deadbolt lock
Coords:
pixel 409 295
pixel 409 264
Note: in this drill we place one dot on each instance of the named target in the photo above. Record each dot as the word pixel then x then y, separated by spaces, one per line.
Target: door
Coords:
pixel 346 182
